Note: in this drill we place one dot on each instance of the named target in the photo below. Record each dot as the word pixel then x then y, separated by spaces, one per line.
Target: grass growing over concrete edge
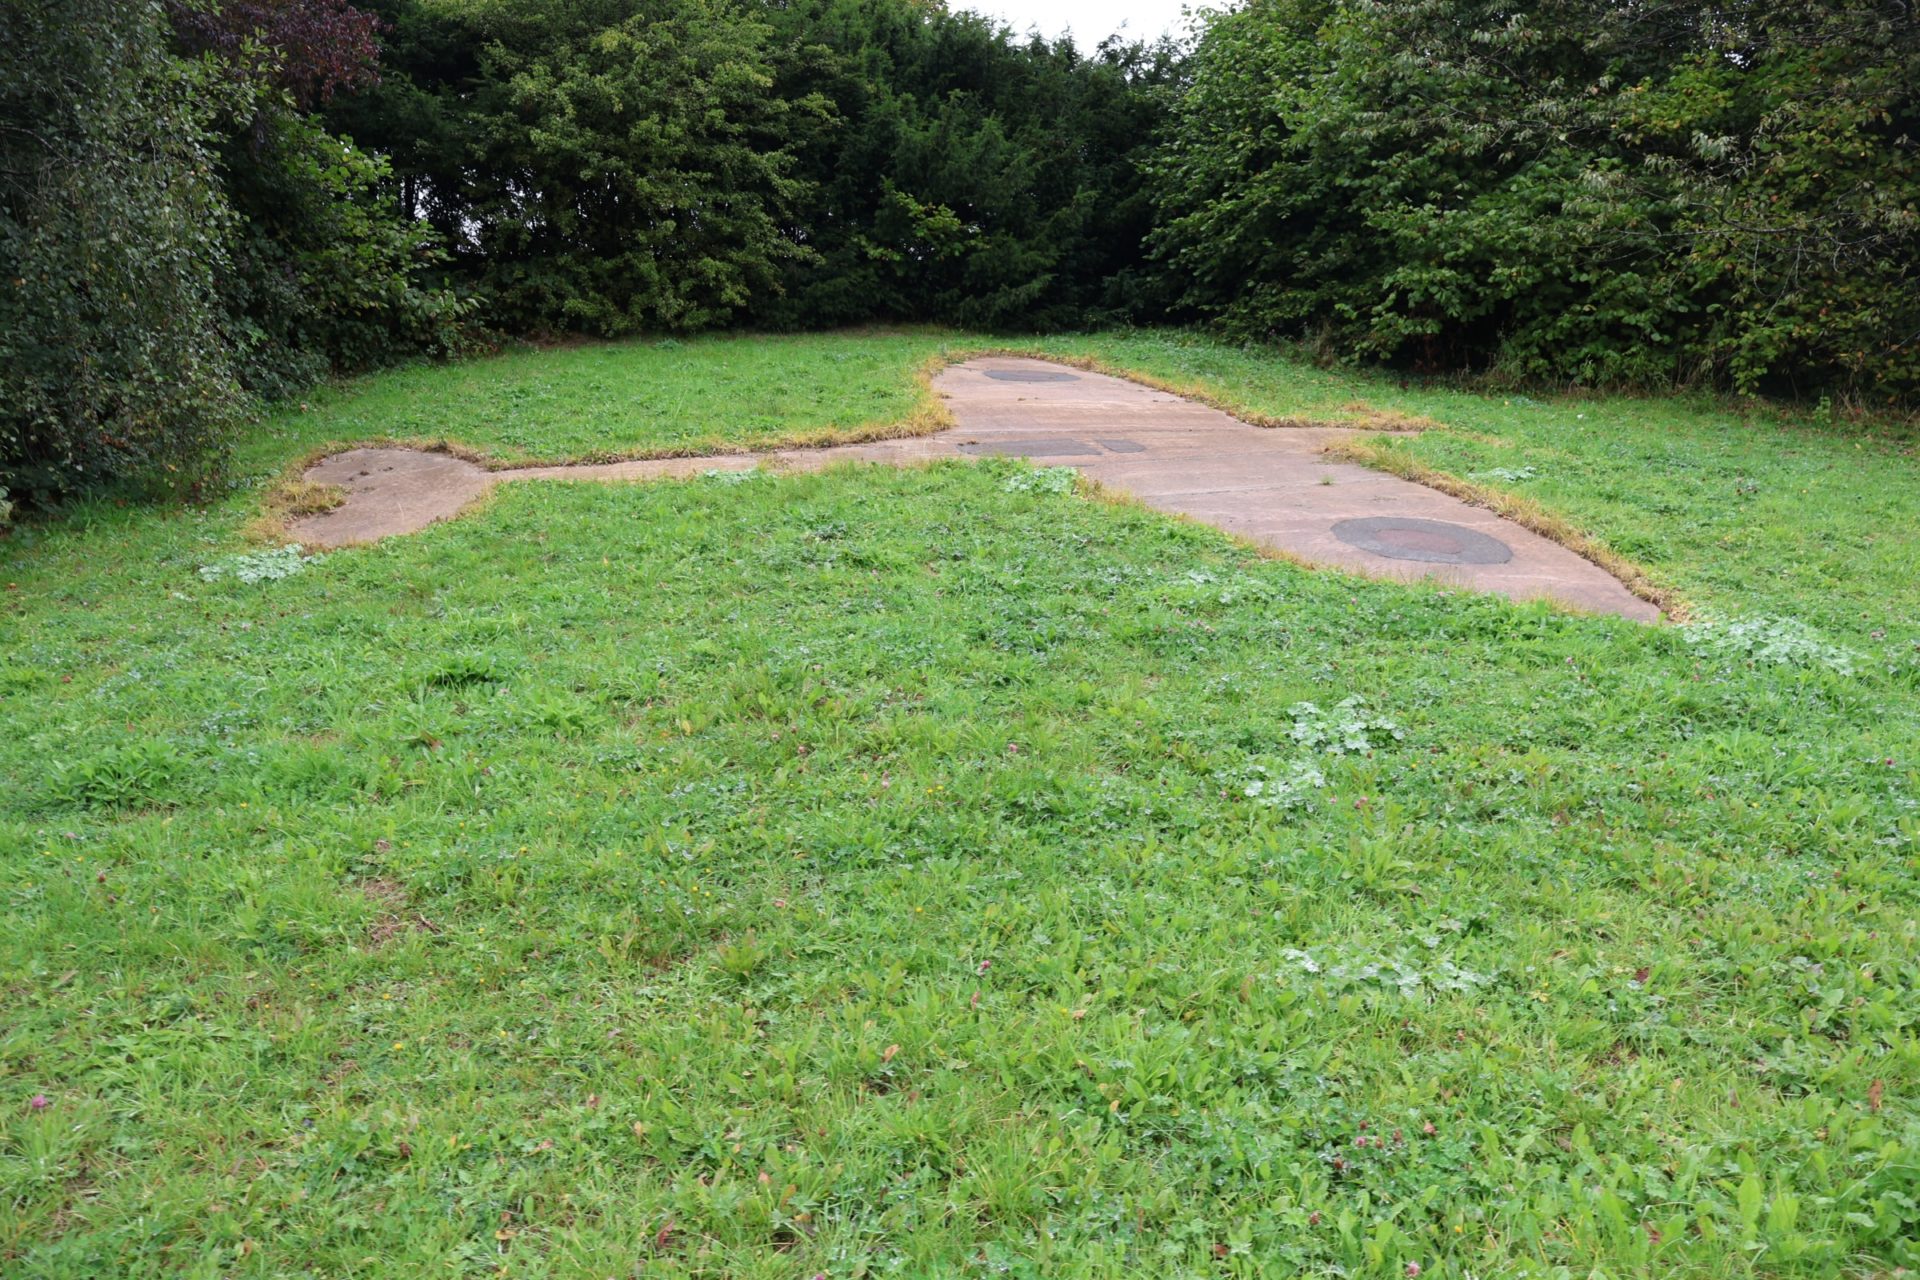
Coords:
pixel 929 872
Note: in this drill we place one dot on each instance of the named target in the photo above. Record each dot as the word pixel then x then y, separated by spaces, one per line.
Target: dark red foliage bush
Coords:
pixel 310 48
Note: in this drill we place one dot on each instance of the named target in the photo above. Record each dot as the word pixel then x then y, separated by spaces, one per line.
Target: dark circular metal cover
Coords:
pixel 1430 541
pixel 1031 375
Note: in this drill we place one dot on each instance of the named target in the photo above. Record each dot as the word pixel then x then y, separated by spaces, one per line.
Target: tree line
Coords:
pixel 209 203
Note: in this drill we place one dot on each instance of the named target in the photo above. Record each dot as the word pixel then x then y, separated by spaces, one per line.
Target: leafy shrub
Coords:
pixel 613 167
pixel 968 175
pixel 173 226
pixel 322 273
pixel 111 232
pixel 1568 189
pixel 601 166
pixel 305 50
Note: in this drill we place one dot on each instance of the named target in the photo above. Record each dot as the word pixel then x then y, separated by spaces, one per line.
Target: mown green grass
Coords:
pixel 856 874
pixel 604 399
pixel 1753 510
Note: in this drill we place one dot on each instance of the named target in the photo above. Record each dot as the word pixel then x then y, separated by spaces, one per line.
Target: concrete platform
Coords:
pixel 1273 486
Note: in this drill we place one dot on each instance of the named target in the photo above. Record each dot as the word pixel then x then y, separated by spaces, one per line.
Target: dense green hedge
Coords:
pixel 112 236
pixel 178 230
pixel 622 165
pixel 1568 189
pixel 968 176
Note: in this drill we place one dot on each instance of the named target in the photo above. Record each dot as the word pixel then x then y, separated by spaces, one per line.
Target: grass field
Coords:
pixel 882 873
pixel 600 401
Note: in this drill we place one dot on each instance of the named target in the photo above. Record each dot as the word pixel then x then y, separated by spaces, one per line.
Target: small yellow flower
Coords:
pixel 399 1044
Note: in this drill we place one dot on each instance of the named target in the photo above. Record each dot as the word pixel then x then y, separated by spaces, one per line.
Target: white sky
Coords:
pixel 1091 21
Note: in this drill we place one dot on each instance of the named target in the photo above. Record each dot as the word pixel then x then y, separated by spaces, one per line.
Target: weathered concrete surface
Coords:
pixel 1272 486
pixel 389 491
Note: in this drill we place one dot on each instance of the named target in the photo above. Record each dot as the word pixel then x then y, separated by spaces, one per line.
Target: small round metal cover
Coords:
pixel 1430 541
pixel 1031 375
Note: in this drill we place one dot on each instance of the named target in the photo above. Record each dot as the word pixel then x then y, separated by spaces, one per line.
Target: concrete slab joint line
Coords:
pixel 1272 486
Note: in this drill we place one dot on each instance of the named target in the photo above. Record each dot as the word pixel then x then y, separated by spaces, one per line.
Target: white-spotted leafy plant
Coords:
pixel 1055 480
pixel 259 566
pixel 1290 789
pixel 1348 728
pixel 1507 475
pixel 1767 641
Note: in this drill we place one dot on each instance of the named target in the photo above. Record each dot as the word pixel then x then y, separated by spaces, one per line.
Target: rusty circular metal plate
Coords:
pixel 1031 375
pixel 1429 541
